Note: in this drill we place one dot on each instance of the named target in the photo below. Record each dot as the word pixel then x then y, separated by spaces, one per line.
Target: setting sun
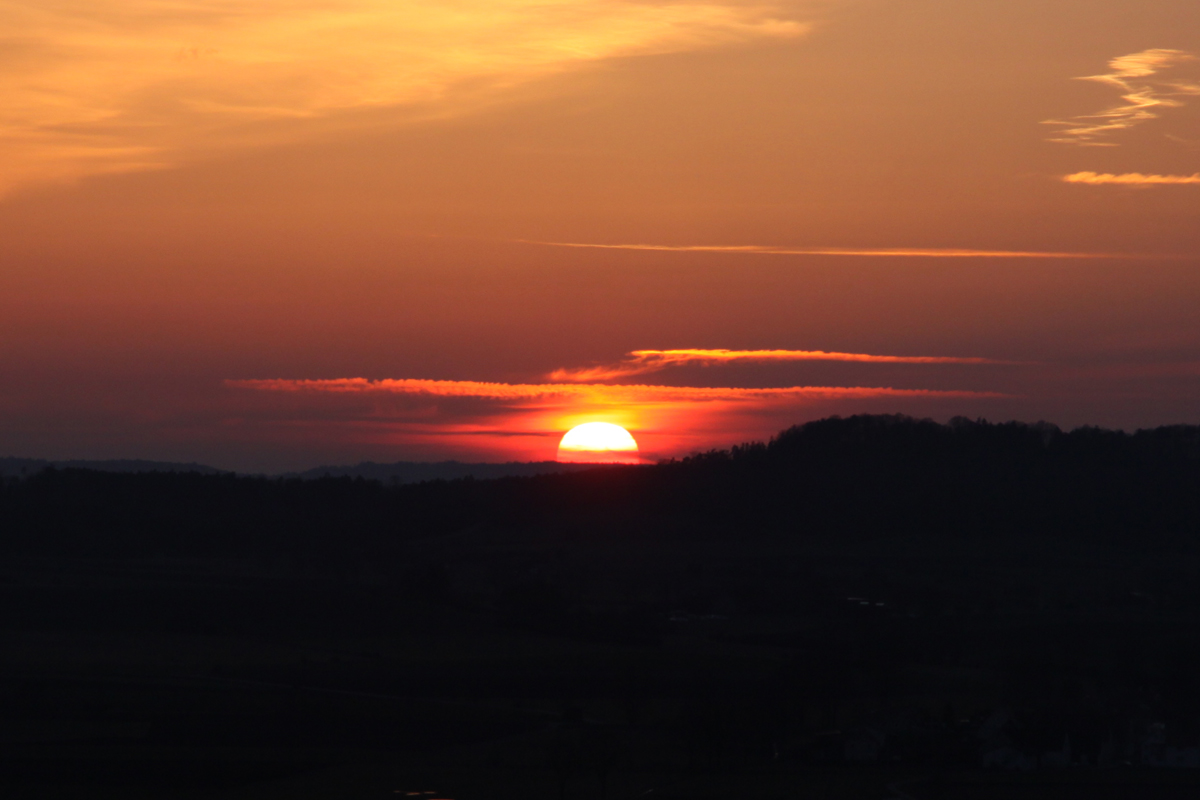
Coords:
pixel 598 443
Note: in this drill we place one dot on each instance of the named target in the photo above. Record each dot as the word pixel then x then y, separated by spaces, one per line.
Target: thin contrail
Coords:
pixel 887 252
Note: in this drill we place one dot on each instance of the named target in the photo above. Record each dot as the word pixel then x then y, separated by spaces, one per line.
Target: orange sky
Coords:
pixel 988 208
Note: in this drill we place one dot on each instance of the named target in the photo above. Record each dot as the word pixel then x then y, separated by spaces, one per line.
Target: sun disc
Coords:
pixel 598 443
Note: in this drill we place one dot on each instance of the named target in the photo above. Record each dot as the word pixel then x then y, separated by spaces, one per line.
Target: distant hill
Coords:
pixel 398 473
pixel 416 471
pixel 10 467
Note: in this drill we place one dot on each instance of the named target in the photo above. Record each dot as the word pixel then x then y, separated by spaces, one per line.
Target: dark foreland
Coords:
pixel 874 607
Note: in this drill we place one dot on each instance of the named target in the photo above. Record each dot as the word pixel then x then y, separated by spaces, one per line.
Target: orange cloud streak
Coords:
pixel 1130 179
pixel 599 392
pixel 879 252
pixel 643 361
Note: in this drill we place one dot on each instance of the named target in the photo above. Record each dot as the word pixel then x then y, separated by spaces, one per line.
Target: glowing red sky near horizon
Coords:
pixel 526 420
pixel 216 215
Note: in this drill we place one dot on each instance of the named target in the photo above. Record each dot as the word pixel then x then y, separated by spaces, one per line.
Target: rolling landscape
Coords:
pixel 871 606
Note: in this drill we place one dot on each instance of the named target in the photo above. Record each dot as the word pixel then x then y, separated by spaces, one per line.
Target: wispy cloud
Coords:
pixel 111 85
pixel 1131 179
pixel 640 362
pixel 881 252
pixel 1142 96
pixel 596 392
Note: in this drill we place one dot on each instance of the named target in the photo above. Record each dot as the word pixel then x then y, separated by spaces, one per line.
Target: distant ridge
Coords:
pixel 10 467
pixel 416 471
pixel 397 473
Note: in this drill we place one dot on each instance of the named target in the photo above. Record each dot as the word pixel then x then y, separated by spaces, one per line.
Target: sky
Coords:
pixel 268 235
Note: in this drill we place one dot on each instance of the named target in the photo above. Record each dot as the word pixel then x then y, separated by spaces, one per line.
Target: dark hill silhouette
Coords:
pixel 897 473
pixel 865 475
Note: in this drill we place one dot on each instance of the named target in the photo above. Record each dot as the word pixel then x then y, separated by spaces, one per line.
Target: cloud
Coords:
pixel 881 252
pixel 117 85
pixel 1131 179
pixel 1142 98
pixel 576 392
pixel 640 362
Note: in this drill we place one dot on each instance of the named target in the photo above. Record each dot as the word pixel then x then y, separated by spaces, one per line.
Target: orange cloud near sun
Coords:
pixel 643 361
pixel 594 392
